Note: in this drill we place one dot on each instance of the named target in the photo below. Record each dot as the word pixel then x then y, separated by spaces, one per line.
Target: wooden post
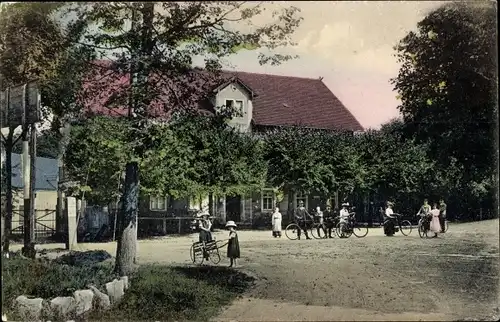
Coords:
pixel 180 224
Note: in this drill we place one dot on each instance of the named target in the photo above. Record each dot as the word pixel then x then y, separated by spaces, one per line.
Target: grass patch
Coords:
pixel 49 279
pixel 162 293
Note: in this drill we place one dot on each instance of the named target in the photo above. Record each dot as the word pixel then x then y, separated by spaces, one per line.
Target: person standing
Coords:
pixel 442 215
pixel 389 228
pixel 233 245
pixel 330 220
pixel 344 216
pixel 276 221
pixel 321 221
pixel 435 226
pixel 205 236
pixel 300 216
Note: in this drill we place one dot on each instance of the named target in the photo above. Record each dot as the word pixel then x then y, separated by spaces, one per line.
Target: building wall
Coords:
pixel 175 208
pixel 235 91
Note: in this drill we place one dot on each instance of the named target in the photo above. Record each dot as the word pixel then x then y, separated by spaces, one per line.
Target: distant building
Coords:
pixel 45 189
pixel 266 102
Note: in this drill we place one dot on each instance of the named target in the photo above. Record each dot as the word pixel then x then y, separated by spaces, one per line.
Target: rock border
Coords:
pixel 68 308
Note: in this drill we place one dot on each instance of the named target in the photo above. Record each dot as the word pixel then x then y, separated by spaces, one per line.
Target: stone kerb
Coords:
pixel 66 308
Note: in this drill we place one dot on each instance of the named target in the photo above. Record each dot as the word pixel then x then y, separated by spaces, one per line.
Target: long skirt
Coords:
pixel 233 248
pixel 435 225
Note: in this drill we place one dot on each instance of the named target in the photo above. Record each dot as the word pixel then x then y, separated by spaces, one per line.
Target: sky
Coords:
pixel 350 44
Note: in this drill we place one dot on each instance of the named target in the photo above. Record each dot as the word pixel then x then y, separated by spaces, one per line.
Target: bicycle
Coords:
pixel 423 226
pixel 291 231
pixel 351 227
pixel 201 251
pixel 404 226
pixel 318 230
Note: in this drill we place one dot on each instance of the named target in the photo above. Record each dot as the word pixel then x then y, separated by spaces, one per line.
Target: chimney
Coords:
pixel 321 78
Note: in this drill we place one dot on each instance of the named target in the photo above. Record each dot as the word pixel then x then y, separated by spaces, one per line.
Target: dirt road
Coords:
pixel 374 278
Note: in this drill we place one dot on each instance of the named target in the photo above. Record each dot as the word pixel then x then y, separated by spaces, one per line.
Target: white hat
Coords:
pixel 345 204
pixel 230 224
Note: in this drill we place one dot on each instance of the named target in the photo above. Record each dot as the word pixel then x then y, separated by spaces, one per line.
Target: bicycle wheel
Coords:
pixel 196 253
pixel 214 256
pixel 291 231
pixel 360 231
pixel 405 227
pixel 343 230
pixel 318 232
pixel 422 232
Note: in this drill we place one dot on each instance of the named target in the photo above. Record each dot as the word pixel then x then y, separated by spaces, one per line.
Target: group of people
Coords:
pixel 433 218
pixel 205 236
pixel 326 221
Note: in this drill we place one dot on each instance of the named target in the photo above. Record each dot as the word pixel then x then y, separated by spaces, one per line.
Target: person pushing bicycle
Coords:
pixel 425 213
pixel 300 217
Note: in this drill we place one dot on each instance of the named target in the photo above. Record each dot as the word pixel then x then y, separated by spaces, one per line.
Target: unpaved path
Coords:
pixel 374 278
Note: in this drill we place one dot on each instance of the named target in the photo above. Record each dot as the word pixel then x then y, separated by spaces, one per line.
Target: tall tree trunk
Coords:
pixel 9 142
pixel 126 251
pixel 127 236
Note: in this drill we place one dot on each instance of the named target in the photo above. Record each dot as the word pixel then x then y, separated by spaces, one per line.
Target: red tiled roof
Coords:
pixel 286 100
pixel 278 101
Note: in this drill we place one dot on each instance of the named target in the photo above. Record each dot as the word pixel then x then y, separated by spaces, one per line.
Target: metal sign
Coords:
pixel 33 114
pixel 20 105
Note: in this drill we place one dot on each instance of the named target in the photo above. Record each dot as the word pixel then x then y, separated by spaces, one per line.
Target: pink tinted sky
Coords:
pixel 350 44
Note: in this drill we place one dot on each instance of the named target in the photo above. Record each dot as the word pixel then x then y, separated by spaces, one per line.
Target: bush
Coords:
pixel 177 293
pixel 48 279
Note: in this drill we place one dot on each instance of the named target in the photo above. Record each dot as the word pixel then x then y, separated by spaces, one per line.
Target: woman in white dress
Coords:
pixel 276 221
pixel 435 225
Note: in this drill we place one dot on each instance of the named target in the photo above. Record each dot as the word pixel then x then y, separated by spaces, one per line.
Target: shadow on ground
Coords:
pixel 224 277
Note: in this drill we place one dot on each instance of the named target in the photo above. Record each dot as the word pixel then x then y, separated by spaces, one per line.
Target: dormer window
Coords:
pixel 236 104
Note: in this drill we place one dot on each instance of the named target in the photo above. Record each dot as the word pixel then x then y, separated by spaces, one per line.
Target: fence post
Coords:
pixel 180 225
pixel 71 222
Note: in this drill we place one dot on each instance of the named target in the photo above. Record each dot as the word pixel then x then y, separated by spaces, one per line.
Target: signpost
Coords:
pixel 20 106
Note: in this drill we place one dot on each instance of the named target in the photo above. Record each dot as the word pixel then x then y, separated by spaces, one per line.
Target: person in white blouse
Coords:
pixel 389 227
pixel 344 213
pixel 276 222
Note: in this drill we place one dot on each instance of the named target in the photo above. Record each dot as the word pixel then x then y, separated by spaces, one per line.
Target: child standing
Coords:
pixel 233 245
pixel 276 221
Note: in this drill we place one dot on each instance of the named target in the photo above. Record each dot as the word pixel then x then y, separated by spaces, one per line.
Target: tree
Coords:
pixel 448 88
pixel 223 160
pixel 296 162
pixel 27 35
pixel 96 155
pixel 153 46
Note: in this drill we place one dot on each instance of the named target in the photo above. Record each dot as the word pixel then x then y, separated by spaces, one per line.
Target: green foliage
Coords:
pixel 46 279
pixel 46 144
pixel 30 41
pixel 308 160
pixel 191 156
pixel 448 88
pixel 96 156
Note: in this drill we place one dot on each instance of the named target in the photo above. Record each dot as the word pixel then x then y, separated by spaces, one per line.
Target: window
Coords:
pixel 236 104
pixel 157 203
pixel 301 197
pixel 267 199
